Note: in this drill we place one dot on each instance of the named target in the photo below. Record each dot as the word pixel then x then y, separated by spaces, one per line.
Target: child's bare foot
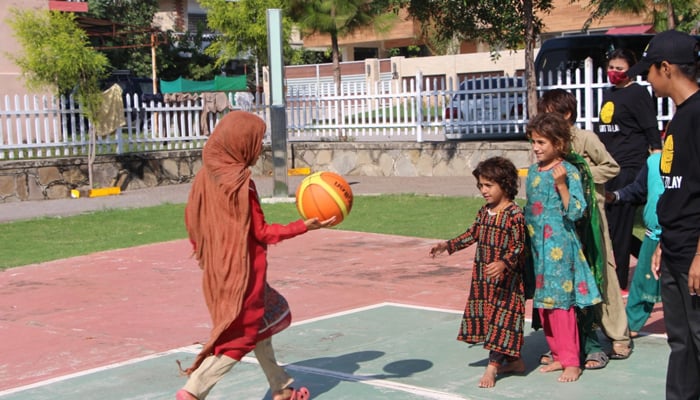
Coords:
pixel 283 394
pixel 553 366
pixel 512 367
pixel 488 380
pixel 570 374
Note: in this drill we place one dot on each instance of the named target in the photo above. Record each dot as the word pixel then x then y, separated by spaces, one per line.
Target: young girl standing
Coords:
pixel 495 309
pixel 563 279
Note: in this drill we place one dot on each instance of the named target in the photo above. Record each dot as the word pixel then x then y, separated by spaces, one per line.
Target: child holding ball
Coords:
pixel 227 228
pixel 495 310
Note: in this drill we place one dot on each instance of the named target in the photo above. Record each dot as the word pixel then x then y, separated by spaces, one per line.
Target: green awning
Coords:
pixel 218 84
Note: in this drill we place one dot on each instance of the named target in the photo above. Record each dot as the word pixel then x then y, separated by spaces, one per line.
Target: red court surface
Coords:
pixel 72 315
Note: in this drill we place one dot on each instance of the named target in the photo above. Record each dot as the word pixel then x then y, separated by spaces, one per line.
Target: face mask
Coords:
pixel 616 77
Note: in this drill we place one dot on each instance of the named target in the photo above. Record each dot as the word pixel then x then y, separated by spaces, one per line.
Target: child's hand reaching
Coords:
pixel 438 248
pixel 559 175
pixel 315 223
pixel 495 270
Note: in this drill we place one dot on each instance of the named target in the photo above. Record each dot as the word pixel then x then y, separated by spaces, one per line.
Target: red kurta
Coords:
pixel 264 311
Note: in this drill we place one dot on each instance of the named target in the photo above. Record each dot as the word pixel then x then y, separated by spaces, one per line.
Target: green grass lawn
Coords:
pixel 45 239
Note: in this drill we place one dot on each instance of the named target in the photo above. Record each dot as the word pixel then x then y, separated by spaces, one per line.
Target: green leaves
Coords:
pixel 57 54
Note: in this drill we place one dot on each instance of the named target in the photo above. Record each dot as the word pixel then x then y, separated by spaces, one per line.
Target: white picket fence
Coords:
pixel 414 110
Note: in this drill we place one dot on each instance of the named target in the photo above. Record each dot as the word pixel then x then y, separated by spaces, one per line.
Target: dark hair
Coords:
pixel 502 171
pixel 554 128
pixel 624 54
pixel 559 101
pixel 691 71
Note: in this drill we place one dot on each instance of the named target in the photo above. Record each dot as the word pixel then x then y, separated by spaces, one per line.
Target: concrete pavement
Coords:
pixel 176 194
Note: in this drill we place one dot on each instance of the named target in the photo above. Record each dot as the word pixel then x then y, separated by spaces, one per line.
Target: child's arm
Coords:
pixel 568 182
pixel 602 165
pixel 512 259
pixel 274 233
pixel 635 192
pixel 460 242
pixel 559 175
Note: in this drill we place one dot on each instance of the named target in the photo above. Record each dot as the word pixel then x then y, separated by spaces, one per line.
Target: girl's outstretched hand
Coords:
pixel 438 248
pixel 315 223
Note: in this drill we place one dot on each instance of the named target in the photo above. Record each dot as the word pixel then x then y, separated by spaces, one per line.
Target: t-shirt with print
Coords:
pixel 628 125
pixel 679 205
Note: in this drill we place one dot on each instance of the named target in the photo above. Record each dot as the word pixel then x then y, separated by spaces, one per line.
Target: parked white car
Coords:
pixel 487 107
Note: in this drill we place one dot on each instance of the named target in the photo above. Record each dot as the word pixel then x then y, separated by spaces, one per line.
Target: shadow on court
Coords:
pixel 376 318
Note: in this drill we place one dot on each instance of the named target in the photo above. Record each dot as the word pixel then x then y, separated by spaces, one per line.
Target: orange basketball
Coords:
pixel 324 195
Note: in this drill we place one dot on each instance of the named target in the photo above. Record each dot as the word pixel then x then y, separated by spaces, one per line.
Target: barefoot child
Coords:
pixel 563 279
pixel 495 309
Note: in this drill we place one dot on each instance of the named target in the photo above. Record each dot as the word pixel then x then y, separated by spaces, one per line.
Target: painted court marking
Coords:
pixel 347 377
pixel 194 349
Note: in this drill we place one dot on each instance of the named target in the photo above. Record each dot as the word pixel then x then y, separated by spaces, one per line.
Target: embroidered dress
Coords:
pixel 563 278
pixel 495 310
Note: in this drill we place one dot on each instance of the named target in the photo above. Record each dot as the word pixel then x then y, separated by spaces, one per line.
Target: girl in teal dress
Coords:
pixel 563 279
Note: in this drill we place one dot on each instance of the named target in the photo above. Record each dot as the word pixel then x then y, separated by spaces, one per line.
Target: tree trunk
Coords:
pixel 336 61
pixel 336 78
pixel 530 78
pixel 670 16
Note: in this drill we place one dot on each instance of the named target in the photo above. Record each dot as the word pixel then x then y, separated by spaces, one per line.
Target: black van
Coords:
pixel 570 52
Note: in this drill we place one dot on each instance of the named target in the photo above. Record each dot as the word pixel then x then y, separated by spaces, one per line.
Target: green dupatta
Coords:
pixel 588 227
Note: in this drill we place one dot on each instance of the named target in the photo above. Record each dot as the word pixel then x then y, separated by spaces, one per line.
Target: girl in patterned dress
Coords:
pixel 495 310
pixel 563 279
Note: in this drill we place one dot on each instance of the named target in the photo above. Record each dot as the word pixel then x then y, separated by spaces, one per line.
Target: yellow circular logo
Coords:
pixel 606 112
pixel 667 155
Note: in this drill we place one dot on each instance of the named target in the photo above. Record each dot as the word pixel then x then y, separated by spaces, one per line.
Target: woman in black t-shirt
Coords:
pixel 629 130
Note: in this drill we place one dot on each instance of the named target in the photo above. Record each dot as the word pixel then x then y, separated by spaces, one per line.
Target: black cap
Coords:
pixel 671 46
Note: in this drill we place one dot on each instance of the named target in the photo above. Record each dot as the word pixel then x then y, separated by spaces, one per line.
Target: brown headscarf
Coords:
pixel 217 217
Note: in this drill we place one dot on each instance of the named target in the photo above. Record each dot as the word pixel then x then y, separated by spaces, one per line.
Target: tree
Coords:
pixel 183 56
pixel 130 48
pixel 502 24
pixel 339 18
pixel 57 54
pixel 683 15
pixel 242 26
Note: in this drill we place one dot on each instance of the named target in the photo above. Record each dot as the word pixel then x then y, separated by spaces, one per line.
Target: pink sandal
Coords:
pixel 300 394
pixel 183 394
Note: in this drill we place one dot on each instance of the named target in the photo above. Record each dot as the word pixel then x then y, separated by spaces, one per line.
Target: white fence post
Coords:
pixel 418 112
pixel 588 91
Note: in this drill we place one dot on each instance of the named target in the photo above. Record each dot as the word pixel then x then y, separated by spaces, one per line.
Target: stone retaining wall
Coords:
pixel 55 178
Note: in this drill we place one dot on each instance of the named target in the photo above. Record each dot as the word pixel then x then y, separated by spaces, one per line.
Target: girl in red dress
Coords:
pixel 227 228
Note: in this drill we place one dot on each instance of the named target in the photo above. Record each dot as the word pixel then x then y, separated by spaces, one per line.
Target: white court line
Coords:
pixel 95 370
pixel 368 380
pixel 194 349
pixel 366 308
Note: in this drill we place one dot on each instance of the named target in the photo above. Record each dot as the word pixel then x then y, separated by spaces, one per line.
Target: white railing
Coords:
pixel 46 127
pixel 383 113
pixel 409 110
